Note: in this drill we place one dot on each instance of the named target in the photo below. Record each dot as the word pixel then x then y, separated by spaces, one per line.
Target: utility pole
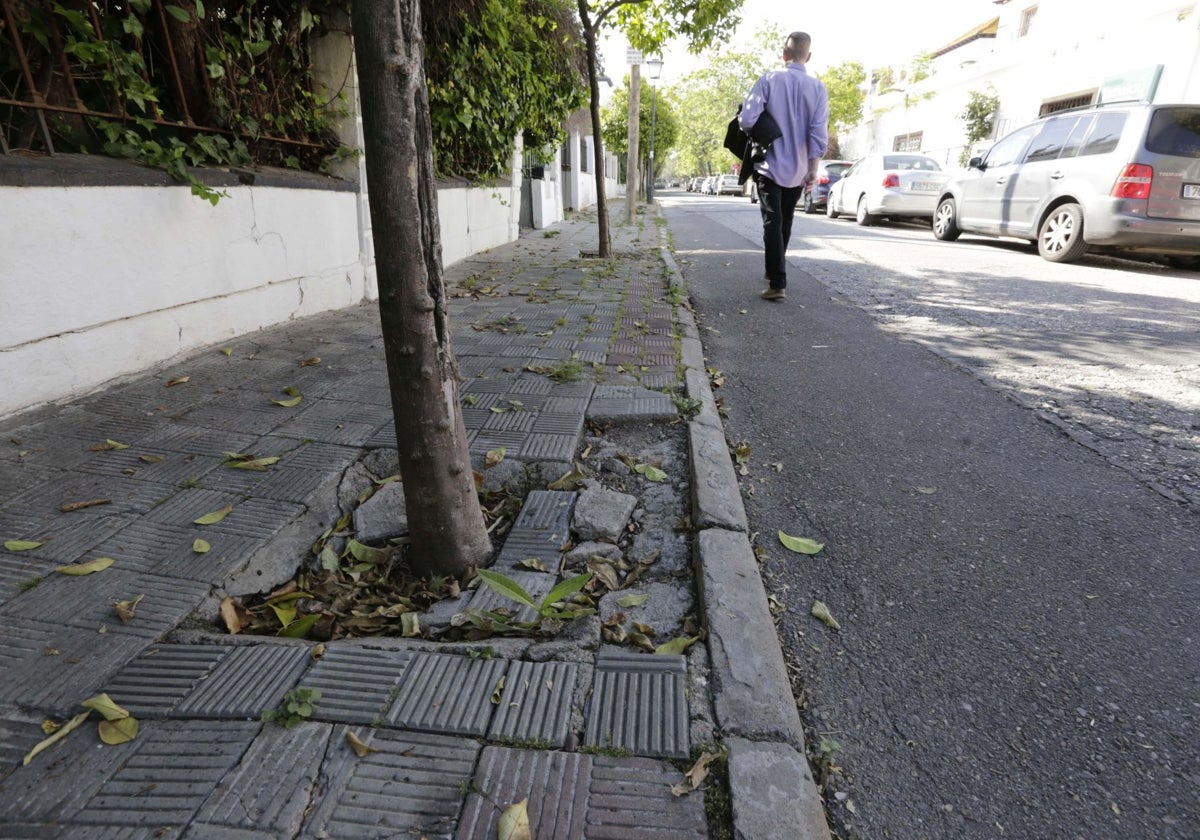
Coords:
pixel 655 66
pixel 632 178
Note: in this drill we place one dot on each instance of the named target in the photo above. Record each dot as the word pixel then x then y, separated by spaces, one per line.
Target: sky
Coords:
pixel 893 32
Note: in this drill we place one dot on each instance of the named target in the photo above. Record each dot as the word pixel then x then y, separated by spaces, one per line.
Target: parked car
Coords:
pixel 1124 176
pixel 891 184
pixel 828 174
pixel 728 185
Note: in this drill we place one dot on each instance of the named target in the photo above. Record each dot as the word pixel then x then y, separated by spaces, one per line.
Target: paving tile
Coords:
pixel 510 421
pixel 57 784
pixel 631 797
pixel 64 539
pixel 446 693
pixel 86 602
pixel 20 731
pixel 164 467
pixel 411 787
pixel 341 432
pixel 357 684
pixel 167 550
pixel 186 506
pixel 18 572
pixel 251 518
pixel 638 704
pixel 52 667
pixel 549 447
pixel 532 544
pixel 17 479
pixel 557 423
pixel 173 769
pixel 535 706
pixel 554 783
pixel 546 510
pixel 658 407
pixel 270 788
pixel 228 419
pixel 246 683
pixel 487 440
pixel 154 683
pixel 193 440
pixel 125 497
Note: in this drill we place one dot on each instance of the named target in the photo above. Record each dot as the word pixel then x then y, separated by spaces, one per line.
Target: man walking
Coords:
pixel 799 104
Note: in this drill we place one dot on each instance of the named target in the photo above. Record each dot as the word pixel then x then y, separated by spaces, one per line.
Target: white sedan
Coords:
pixel 887 184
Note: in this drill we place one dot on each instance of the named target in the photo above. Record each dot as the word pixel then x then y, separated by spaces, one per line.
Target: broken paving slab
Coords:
pixel 639 704
pixel 382 516
pixel 602 514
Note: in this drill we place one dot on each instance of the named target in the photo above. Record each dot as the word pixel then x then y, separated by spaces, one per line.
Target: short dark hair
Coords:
pixel 796 45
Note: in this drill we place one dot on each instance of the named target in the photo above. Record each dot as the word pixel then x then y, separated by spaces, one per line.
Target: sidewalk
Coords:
pixel 566 361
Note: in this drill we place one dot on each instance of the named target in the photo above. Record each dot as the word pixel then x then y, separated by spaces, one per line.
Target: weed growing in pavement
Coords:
pixel 32 583
pixel 297 705
pixel 688 408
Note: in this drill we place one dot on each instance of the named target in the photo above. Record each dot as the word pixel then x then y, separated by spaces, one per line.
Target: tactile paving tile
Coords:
pixel 321 457
pixel 487 439
pixel 191 440
pixel 554 783
pixel 411 787
pixel 164 467
pixel 631 797
pixel 287 484
pixel 152 684
pixel 509 421
pixel 356 684
pixel 168 550
pixel 535 705
pixel 125 496
pixel 544 447
pixel 270 788
pixel 174 768
pixel 221 418
pixel 447 693
pixel 186 506
pixel 658 407
pixel 251 518
pixel 559 424
pixel 18 573
pixel 532 386
pixel 330 431
pixel 19 733
pixel 638 704
pixel 51 667
pixel 246 683
pixel 565 405
pixel 60 780
pixel 546 510
pixel 87 602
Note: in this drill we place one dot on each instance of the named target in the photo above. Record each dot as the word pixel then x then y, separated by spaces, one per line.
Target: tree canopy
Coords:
pixel 662 117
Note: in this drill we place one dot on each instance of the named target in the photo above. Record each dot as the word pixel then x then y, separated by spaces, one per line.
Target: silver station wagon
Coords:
pixel 1118 177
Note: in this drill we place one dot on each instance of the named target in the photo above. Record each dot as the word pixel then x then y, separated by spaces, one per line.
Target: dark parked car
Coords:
pixel 828 174
pixel 1123 177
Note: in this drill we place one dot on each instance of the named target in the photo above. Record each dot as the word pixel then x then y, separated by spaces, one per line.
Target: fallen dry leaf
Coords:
pixel 119 731
pixel 819 610
pixel 72 506
pixel 514 822
pixel 71 725
pixel 126 609
pixel 694 777
pixel 90 567
pixel 360 748
pixel 179 380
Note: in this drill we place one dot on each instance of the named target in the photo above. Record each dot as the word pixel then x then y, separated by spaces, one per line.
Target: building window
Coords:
pixel 566 155
pixel 1081 100
pixel 583 154
pixel 908 142
pixel 1027 17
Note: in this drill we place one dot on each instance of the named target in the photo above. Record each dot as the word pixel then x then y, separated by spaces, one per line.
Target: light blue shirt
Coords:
pixel 799 103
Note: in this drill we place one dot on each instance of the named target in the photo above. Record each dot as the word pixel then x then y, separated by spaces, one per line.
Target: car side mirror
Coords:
pixel 976 163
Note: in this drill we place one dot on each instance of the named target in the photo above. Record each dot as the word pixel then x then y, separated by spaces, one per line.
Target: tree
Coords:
pixel 446 523
pixel 648 24
pixel 710 97
pixel 661 118
pixel 979 118
pixel 845 86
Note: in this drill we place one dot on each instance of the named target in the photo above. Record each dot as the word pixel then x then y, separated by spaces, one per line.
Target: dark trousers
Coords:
pixel 778 205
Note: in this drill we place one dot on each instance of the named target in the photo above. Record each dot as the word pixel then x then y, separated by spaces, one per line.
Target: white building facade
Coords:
pixel 1037 57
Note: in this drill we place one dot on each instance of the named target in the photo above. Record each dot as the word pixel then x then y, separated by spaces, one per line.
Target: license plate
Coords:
pixel 1191 190
pixel 927 186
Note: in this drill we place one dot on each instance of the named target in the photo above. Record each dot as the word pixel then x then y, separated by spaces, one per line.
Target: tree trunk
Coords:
pixel 589 33
pixel 445 521
pixel 633 180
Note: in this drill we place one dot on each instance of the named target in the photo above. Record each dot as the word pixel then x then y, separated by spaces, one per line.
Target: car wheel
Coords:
pixel 829 209
pixel 809 207
pixel 1060 238
pixel 862 216
pixel 945 225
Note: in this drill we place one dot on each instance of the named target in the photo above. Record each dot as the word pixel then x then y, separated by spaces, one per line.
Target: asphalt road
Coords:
pixel 1000 456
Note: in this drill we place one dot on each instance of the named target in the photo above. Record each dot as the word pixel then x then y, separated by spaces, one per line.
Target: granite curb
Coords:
pixel 771 785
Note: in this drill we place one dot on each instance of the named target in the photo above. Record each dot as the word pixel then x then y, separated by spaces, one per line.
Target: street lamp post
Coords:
pixel 654 68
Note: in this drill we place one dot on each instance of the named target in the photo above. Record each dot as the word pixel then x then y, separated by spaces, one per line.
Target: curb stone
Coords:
pixel 770 784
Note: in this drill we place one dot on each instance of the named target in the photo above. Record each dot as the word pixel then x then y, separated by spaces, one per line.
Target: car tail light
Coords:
pixel 891 180
pixel 824 179
pixel 1134 181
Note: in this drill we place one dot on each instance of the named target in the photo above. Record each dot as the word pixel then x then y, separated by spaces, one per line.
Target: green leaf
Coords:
pixel 410 625
pixel 201 546
pixel 299 628
pixel 633 600
pixel 651 473
pixel 821 611
pixel 256 464
pixel 178 13
pixel 567 588
pixel 285 613
pixel 214 517
pixel 367 554
pixel 506 587
pixel 329 559
pixel 677 646
pixel 291 403
pixel 800 545
pixel 200 9
pixel 90 567
pixel 22 545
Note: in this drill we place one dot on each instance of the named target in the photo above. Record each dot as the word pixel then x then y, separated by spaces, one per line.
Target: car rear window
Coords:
pixel 1175 131
pixel 837 168
pixel 1106 133
pixel 903 162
